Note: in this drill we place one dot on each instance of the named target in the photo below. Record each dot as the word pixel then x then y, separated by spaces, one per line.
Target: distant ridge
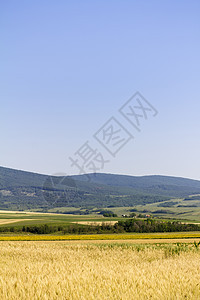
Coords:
pixel 26 190
pixel 128 180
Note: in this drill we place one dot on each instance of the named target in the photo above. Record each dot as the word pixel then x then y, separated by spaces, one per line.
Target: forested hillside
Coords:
pixel 20 190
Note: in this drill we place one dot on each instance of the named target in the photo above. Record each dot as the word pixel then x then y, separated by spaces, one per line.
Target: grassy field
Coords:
pixel 32 218
pixel 80 270
pixel 182 210
pixel 9 219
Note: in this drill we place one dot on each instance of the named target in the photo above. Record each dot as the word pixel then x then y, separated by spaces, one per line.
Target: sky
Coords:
pixel 66 69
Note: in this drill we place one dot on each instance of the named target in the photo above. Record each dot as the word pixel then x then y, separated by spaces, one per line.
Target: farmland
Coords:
pixel 98 270
pixel 128 265
pixel 58 265
pixel 160 265
pixel 19 219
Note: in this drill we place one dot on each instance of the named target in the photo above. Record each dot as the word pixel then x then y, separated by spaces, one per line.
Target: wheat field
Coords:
pixel 71 270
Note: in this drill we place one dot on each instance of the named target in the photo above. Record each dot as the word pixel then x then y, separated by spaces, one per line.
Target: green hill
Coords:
pixel 20 190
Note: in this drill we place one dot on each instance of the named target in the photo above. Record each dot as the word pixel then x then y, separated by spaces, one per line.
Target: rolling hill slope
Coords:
pixel 20 190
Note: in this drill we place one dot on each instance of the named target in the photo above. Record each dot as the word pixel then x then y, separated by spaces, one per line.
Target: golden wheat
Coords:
pixel 69 270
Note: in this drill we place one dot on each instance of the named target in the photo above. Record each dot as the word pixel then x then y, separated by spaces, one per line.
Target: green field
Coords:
pixel 176 209
pixel 183 210
pixel 10 219
pixel 18 220
pixel 27 218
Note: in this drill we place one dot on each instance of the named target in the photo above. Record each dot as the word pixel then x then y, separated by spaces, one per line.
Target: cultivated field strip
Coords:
pixel 134 236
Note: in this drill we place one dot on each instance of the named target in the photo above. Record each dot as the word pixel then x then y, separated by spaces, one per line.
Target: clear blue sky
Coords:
pixel 68 66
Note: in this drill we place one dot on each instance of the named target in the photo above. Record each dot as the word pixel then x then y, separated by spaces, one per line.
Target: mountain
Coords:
pixel 20 190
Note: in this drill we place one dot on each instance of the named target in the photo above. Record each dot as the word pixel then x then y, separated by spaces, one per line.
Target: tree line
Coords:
pixel 130 225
